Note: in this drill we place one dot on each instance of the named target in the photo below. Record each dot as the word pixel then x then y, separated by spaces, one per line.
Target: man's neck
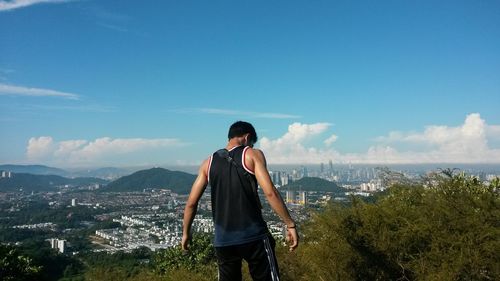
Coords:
pixel 233 143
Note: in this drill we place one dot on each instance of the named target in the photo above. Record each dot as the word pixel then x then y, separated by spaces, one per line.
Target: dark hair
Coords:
pixel 240 128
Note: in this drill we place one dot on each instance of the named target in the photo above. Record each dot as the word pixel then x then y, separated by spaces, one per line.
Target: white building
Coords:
pixel 61 245
pixel 73 202
pixel 58 244
pixel 284 180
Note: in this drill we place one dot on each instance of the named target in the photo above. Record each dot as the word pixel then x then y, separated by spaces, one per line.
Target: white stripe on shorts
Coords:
pixel 271 258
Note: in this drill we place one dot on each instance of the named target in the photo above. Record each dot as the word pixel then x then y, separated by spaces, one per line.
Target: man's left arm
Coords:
pixel 258 161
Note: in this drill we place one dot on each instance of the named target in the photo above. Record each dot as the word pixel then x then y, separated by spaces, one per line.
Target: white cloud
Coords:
pixel 290 148
pixel 493 131
pixel 467 143
pixel 470 136
pixel 12 90
pixel 15 4
pixel 252 114
pixel 99 151
pixel 113 27
pixel 329 141
pixel 66 148
pixel 40 147
pixel 80 107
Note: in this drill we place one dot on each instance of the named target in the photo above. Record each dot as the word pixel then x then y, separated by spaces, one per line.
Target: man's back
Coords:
pixel 235 207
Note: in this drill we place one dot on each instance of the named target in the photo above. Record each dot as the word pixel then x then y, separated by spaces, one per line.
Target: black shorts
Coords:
pixel 258 254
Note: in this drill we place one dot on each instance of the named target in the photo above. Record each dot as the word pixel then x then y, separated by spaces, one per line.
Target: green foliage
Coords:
pixel 118 266
pixel 447 230
pixel 129 263
pixel 106 274
pixel 314 184
pixel 53 264
pixel 178 182
pixel 15 266
pixel 199 260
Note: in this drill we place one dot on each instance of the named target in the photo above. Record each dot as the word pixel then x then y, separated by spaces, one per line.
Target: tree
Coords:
pixel 446 229
pixel 16 267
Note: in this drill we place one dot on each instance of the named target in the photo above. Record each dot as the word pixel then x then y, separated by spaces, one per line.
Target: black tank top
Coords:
pixel 236 212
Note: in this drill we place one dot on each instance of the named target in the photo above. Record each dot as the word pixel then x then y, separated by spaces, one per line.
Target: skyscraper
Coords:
pixel 61 246
pixel 58 244
pixel 301 198
pixel 290 197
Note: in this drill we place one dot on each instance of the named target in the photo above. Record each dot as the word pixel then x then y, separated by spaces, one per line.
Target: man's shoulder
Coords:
pixel 255 151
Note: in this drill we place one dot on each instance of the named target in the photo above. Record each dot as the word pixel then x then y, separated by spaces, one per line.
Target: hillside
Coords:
pixel 176 181
pixel 30 182
pixel 109 173
pixel 33 169
pixel 314 184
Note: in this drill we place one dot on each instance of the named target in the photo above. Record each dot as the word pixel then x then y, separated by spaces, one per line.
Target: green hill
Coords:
pixel 34 169
pixel 176 181
pixel 30 182
pixel 314 184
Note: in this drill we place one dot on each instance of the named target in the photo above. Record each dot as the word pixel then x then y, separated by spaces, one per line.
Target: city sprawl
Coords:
pixel 76 218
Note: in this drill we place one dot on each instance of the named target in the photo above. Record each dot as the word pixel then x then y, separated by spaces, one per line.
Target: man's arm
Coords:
pixel 197 190
pixel 258 162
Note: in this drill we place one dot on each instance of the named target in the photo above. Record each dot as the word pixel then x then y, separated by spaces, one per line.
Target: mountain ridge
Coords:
pixel 156 178
pixel 33 182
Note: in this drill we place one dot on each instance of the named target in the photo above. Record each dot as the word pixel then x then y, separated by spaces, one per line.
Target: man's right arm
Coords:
pixel 197 190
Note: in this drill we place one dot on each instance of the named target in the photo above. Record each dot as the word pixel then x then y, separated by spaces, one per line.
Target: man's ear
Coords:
pixel 247 138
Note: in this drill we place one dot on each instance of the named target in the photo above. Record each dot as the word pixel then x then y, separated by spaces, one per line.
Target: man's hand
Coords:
pixel 185 242
pixel 292 238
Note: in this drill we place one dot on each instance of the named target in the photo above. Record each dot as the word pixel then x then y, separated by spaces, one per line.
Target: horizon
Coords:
pixel 129 84
pixel 488 167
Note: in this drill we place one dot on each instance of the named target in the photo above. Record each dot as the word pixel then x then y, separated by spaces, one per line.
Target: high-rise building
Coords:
pixel 304 171
pixel 284 180
pixel 290 197
pixel 296 197
pixel 301 198
pixel 53 243
pixel 73 202
pixel 58 244
pixel 277 177
pixel 61 246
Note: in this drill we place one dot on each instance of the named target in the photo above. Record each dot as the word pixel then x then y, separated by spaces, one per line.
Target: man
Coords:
pixel 240 231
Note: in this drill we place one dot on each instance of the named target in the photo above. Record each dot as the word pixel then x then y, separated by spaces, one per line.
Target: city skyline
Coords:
pixel 126 83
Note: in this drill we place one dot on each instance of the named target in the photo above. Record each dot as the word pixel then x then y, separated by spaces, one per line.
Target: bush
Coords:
pixel 196 264
pixel 16 267
pixel 447 229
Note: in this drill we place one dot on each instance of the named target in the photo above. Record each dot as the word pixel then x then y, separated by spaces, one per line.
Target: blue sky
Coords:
pixel 122 83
